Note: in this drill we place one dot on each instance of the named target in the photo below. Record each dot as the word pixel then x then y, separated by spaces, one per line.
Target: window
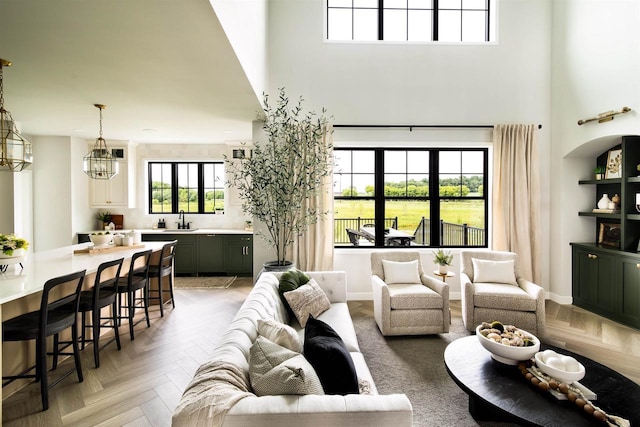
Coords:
pixel 411 20
pixel 195 187
pixel 410 197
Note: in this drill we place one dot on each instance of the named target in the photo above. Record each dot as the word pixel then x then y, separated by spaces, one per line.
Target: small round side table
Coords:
pixel 444 275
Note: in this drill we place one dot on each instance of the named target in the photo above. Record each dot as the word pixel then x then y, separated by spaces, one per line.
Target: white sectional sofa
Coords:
pixel 212 400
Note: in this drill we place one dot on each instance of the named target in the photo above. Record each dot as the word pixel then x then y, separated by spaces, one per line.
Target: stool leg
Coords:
pixel 76 351
pixel 173 301
pixel 114 317
pixel 95 314
pixel 55 352
pixel 41 365
pixel 145 298
pixel 132 307
pixel 84 327
pixel 160 296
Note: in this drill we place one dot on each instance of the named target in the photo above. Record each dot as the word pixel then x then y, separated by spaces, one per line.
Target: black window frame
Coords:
pixel 435 20
pixel 175 189
pixel 380 198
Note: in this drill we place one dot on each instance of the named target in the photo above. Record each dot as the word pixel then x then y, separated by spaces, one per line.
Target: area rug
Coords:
pixel 415 366
pixel 203 282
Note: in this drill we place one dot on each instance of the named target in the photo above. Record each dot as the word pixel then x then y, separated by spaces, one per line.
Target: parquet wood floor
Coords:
pixel 141 384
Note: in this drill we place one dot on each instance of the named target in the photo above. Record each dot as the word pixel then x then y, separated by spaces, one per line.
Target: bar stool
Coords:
pixel 136 280
pixel 52 318
pixel 164 268
pixel 102 294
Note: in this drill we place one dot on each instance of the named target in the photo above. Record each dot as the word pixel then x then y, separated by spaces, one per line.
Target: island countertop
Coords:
pixel 41 266
pixel 177 231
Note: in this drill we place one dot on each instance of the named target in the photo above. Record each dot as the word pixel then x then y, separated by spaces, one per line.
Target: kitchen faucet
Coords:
pixel 184 225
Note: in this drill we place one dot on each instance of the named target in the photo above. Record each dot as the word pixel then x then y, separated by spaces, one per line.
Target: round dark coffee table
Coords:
pixel 499 392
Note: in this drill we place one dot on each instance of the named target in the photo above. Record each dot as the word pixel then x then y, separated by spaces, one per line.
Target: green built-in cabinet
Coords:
pixel 606 278
pixel 209 253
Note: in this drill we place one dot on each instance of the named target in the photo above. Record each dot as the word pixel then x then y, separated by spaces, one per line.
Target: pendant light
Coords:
pixel 15 150
pixel 99 163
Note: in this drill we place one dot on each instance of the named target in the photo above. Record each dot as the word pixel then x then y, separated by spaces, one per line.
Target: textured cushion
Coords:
pixel 400 272
pixel 307 300
pixel 410 297
pixel 329 356
pixel 487 271
pixel 280 334
pixel 290 280
pixel 506 297
pixel 275 370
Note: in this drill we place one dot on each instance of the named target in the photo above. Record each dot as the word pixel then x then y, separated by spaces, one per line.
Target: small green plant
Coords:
pixel 441 257
pixel 104 216
pixel 601 169
pixel 9 243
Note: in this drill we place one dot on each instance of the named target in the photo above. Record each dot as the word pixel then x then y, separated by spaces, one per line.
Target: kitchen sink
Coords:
pixel 180 230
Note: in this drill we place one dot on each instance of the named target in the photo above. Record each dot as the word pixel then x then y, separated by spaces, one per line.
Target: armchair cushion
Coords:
pixel 493 295
pixel 412 297
pixel 400 272
pixel 491 271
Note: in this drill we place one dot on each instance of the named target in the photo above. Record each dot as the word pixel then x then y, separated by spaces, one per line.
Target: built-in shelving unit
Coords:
pixel 606 278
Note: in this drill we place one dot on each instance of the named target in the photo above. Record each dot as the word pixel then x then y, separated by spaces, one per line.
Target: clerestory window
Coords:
pixel 411 20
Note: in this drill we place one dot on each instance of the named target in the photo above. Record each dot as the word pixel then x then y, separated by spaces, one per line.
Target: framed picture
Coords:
pixel 614 164
pixel 609 234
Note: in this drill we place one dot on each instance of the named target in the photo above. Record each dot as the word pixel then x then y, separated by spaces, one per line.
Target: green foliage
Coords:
pixel 441 257
pixel 104 216
pixel 284 170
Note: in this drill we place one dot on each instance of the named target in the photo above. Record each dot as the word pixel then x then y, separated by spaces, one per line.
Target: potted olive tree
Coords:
pixel 285 168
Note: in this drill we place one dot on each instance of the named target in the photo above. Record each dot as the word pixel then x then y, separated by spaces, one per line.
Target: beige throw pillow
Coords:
pixel 280 334
pixel 275 370
pixel 487 271
pixel 400 272
pixel 307 299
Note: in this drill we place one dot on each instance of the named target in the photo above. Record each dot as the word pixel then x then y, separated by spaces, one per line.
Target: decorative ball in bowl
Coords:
pixel 559 366
pixel 506 343
pixel 101 239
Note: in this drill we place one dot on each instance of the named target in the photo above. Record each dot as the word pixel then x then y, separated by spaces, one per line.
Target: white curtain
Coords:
pixel 313 251
pixel 516 195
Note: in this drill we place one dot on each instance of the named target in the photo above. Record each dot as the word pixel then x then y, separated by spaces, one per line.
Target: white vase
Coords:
pixel 443 269
pixel 16 253
pixel 604 201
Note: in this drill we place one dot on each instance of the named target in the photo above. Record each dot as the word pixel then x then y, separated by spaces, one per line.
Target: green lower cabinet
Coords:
pixel 239 255
pixel 607 282
pixel 185 260
pixel 594 280
pixel 629 304
pixel 211 254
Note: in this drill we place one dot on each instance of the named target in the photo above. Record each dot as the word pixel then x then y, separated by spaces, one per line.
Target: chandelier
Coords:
pixel 15 150
pixel 99 163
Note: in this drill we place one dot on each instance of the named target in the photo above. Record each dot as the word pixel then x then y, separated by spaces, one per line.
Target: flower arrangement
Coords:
pixel 9 243
pixel 443 258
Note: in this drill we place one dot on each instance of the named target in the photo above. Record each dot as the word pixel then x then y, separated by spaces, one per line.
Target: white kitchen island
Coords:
pixel 21 290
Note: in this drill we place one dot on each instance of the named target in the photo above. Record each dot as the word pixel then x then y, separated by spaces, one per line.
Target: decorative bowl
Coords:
pixel 564 375
pixel 100 239
pixel 509 355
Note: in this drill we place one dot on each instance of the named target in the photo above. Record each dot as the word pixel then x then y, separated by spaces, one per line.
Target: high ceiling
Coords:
pixel 164 69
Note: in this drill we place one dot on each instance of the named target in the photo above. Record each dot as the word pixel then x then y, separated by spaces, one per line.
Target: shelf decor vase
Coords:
pixel 604 201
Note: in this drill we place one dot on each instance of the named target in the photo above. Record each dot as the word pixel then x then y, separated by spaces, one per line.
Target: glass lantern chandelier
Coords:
pixel 99 163
pixel 16 152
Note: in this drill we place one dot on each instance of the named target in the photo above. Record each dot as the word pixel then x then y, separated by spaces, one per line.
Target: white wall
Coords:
pixel 245 24
pixel 596 64
pixel 378 83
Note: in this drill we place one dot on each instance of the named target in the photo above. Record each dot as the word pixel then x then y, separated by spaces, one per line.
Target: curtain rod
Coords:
pixel 411 127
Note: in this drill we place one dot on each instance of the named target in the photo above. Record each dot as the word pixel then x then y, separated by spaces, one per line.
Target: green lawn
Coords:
pixel 410 213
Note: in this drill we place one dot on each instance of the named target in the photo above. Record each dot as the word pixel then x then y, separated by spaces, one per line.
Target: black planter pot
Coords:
pixel 274 266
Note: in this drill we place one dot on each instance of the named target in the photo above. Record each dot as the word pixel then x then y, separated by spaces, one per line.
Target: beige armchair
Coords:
pixel 487 294
pixel 405 300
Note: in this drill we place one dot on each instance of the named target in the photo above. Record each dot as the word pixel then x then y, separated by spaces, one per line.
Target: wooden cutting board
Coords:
pixel 92 250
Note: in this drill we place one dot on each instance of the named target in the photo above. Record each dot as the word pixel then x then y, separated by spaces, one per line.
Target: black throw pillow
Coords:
pixel 329 356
